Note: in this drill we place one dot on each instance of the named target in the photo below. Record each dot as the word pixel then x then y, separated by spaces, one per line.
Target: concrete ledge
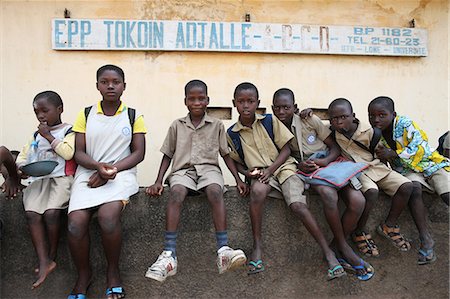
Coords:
pixel 294 264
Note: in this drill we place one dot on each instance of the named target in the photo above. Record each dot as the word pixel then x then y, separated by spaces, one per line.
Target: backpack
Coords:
pixel 131 115
pixel 440 148
pixel 235 137
pixel 71 165
pixel 373 142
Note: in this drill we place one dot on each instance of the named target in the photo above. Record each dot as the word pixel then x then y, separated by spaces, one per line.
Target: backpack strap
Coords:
pixel 236 139
pixel 131 117
pixel 373 142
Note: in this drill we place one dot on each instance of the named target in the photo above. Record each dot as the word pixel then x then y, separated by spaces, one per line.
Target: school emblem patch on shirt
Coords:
pixel 311 139
pixel 126 131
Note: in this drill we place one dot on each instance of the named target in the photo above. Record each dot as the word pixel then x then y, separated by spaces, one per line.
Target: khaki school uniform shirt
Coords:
pixel 259 149
pixel 351 150
pixel 309 136
pixel 199 147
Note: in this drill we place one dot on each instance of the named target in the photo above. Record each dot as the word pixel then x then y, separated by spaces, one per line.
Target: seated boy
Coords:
pixel 405 146
pixel 11 185
pixel 354 138
pixel 260 144
pixel 312 136
pixel 193 143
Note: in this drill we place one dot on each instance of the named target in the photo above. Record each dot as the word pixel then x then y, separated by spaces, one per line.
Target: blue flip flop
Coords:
pixel 115 291
pixel 426 256
pixel 370 271
pixel 76 296
pixel 333 273
pixel 255 267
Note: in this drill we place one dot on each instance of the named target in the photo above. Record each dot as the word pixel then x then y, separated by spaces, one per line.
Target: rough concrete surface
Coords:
pixel 295 267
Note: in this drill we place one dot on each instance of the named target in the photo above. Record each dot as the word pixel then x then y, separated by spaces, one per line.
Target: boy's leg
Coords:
pixel 445 197
pixel 293 189
pixel 166 264
pixel 53 224
pixel 258 195
pixel 399 203
pixel 355 203
pixel 78 237
pixel 111 230
pixel 371 197
pixel 329 199
pixel 227 258
pixel 37 229
pixel 418 212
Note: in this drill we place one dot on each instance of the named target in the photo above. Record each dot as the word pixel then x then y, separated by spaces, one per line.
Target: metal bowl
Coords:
pixel 39 168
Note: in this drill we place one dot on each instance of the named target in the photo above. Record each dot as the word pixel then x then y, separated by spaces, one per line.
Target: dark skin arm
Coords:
pixel 105 171
pixel 11 185
pixel 282 157
pixel 385 154
pixel 44 130
pixel 157 188
pixel 333 152
pixel 242 187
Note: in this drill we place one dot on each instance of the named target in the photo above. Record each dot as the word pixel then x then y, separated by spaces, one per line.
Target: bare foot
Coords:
pixel 43 273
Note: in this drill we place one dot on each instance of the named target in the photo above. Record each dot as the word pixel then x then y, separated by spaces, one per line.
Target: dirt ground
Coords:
pixel 294 264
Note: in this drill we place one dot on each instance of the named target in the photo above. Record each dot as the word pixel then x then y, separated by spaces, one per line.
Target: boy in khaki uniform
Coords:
pixel 352 135
pixel 193 143
pixel 312 136
pixel 260 145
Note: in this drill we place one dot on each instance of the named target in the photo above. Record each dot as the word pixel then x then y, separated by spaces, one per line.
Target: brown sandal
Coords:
pixel 393 234
pixel 366 245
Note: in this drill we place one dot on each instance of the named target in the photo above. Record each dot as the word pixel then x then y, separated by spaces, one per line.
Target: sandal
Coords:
pixel 370 271
pixel 336 272
pixel 365 244
pixel 426 256
pixel 255 267
pixel 115 291
pixel 393 234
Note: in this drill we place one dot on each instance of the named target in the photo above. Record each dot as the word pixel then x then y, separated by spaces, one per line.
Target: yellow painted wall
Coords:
pixel 155 80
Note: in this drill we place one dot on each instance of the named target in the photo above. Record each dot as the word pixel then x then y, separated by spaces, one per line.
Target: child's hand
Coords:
pixel 265 175
pixel 253 174
pixel 385 154
pixel 319 162
pixel 308 166
pixel 306 113
pixel 11 188
pixel 44 129
pixel 154 190
pixel 243 188
pixel 96 180
pixel 107 171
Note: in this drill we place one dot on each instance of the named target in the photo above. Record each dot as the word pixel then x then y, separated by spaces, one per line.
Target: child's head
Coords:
pixel 283 105
pixel 196 97
pixel 381 112
pixel 48 107
pixel 111 82
pixel 341 115
pixel 246 100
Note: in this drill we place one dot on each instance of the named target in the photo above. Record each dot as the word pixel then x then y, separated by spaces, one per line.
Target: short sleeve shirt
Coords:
pixel 197 147
pixel 351 150
pixel 80 122
pixel 259 149
pixel 309 136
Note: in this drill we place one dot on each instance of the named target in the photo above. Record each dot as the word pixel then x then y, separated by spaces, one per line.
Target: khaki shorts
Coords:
pixel 46 194
pixel 192 181
pixel 389 184
pixel 291 190
pixel 438 183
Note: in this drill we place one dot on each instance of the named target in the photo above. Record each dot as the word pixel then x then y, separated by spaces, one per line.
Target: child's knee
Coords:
pixel 33 217
pixel 177 194
pixel 405 190
pixel 258 194
pixel 52 216
pixel 214 193
pixel 371 195
pixel 109 223
pixel 300 209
